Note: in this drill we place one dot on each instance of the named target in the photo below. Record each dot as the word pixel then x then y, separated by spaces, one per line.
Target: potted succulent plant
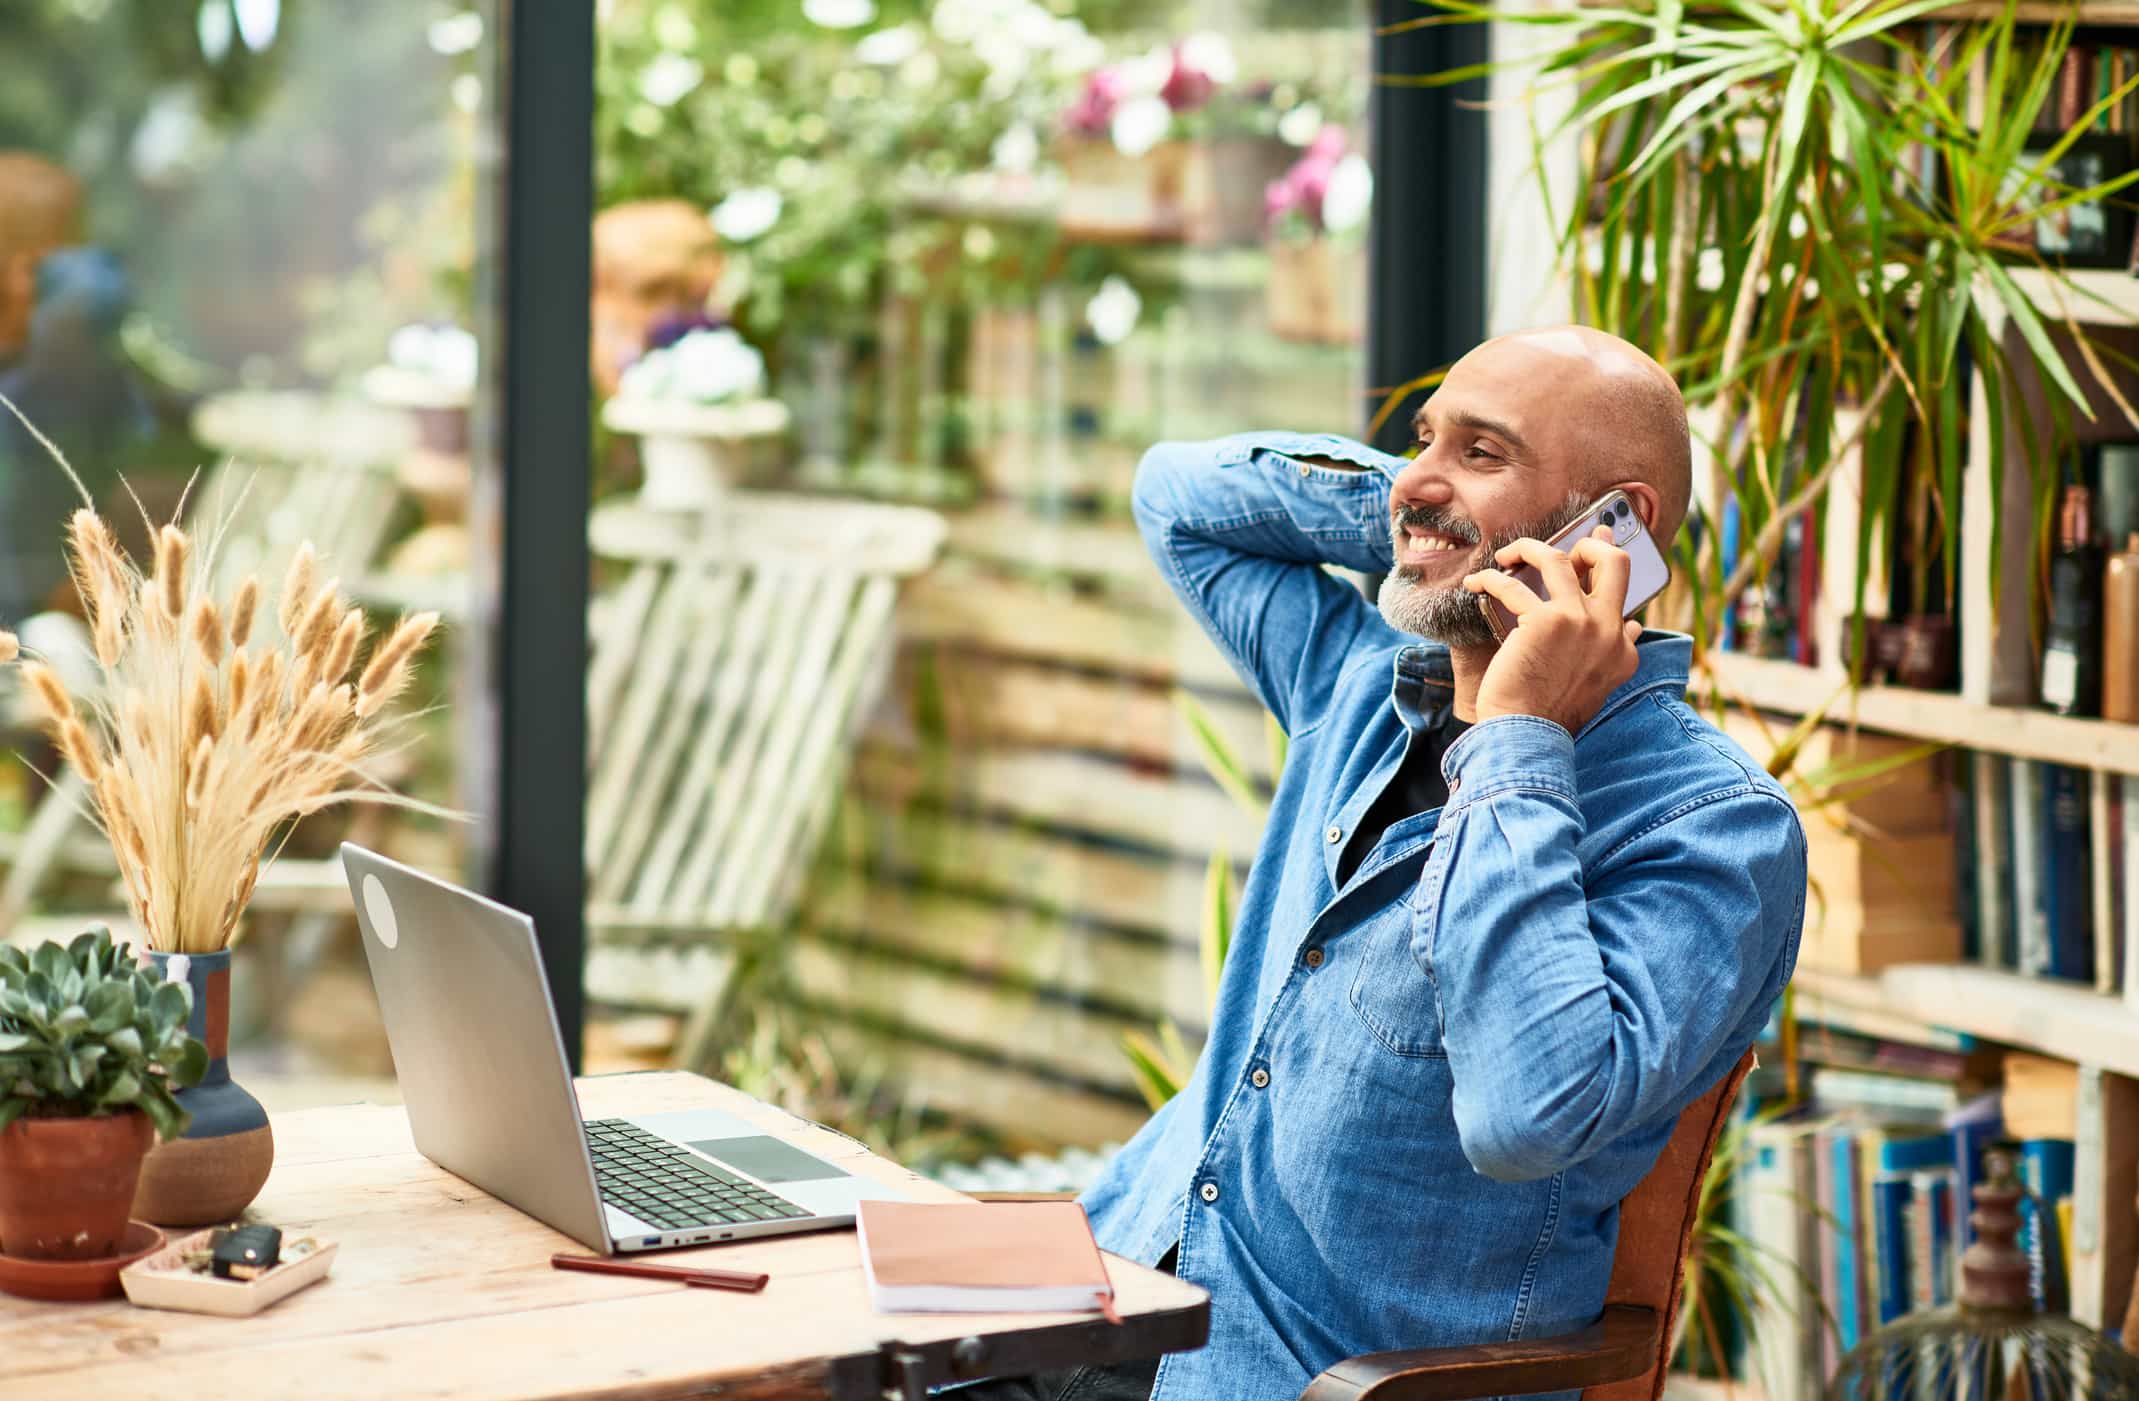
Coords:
pixel 92 1051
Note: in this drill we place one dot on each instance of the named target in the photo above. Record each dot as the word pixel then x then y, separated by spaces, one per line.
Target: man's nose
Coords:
pixel 1422 483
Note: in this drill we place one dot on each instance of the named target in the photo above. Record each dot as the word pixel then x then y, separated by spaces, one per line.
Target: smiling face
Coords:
pixel 1523 433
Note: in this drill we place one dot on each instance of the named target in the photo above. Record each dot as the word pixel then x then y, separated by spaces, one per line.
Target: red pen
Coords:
pixel 679 1274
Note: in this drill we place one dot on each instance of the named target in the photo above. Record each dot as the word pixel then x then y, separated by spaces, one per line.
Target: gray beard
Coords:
pixel 1451 615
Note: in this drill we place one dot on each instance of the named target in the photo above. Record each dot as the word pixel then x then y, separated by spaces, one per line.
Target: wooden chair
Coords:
pixel 730 669
pixel 1624 1355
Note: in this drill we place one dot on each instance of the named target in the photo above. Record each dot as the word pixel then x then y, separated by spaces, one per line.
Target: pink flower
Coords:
pixel 1187 86
pixel 1303 187
pixel 1279 199
pixel 1093 112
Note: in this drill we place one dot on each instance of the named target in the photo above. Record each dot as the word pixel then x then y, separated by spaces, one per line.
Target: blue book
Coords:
pixel 1727 552
pixel 2046 1169
pixel 1961 817
pixel 1916 1153
pixel 1975 1126
pixel 2066 885
pixel 1849 1238
pixel 1931 1233
pixel 1890 1242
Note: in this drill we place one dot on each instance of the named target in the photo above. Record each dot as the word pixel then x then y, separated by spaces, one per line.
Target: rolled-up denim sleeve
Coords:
pixel 1574 1014
pixel 1242 527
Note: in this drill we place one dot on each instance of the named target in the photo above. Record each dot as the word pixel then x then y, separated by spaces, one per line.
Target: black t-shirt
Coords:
pixel 1416 787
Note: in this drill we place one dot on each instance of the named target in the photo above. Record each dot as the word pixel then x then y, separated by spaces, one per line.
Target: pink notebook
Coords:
pixel 982 1257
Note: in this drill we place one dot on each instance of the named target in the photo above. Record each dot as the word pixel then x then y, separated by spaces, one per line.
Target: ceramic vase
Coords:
pixel 214 1171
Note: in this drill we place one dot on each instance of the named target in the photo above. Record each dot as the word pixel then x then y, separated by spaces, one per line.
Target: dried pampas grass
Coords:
pixel 203 743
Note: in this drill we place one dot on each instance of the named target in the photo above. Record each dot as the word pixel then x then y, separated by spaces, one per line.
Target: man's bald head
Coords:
pixel 1598 403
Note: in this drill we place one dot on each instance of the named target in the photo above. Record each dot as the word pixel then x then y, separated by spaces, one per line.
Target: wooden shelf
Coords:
pixel 1789 689
pixel 2066 1020
pixel 2099 13
pixel 2098 296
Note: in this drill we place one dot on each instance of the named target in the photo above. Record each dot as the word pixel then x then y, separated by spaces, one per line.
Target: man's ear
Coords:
pixel 1645 500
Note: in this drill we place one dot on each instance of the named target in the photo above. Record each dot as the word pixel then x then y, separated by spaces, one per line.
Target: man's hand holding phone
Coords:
pixel 1569 650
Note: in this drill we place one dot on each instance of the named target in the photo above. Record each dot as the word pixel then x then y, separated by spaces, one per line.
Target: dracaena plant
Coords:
pixel 1793 205
pixel 84 1031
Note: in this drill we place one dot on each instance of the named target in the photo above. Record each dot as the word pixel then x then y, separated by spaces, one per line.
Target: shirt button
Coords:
pixel 1335 835
pixel 1260 1079
pixel 1453 785
pixel 1208 1191
pixel 1314 958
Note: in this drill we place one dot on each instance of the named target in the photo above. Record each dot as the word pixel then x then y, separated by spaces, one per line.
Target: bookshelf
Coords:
pixel 2100 296
pixel 2044 12
pixel 2064 1020
pixel 1936 717
pixel 2103 13
pixel 1928 860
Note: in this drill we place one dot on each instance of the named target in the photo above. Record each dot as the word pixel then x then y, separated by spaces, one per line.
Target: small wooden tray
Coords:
pixel 162 1281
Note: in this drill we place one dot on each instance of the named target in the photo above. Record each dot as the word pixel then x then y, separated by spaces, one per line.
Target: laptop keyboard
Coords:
pixel 665 1186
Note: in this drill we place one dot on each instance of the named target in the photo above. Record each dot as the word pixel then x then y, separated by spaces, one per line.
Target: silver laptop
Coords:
pixel 490 1098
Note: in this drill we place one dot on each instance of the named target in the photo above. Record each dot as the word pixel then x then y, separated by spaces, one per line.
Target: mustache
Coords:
pixel 1435 519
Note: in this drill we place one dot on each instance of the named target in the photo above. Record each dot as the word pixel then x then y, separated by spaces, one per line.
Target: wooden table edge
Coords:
pixel 866 1376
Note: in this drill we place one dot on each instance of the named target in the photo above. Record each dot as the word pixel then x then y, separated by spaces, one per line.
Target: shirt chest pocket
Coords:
pixel 1393 995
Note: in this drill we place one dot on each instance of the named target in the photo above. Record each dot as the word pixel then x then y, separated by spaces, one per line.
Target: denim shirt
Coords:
pixel 1425 1093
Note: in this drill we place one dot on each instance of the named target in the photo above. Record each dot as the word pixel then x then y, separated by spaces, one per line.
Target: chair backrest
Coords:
pixel 296 467
pixel 1656 1225
pixel 729 669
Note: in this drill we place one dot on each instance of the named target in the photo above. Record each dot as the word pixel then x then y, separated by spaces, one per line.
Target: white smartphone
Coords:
pixel 1646 577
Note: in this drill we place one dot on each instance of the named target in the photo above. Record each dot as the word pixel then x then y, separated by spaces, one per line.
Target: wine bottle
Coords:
pixel 2072 651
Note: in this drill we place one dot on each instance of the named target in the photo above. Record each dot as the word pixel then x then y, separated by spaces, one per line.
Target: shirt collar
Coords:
pixel 1423 685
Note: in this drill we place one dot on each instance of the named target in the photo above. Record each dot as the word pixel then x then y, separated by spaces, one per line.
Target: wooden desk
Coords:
pixel 441 1291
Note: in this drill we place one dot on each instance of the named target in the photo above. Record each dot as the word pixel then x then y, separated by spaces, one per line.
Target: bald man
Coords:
pixel 1516 906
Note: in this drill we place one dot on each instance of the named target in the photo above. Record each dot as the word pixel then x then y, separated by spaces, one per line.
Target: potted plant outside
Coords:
pixel 1317 215
pixel 93 1050
pixel 1153 148
pixel 704 421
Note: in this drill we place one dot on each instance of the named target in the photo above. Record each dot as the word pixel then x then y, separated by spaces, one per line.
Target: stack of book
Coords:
pixel 1856 1202
pixel 2048 857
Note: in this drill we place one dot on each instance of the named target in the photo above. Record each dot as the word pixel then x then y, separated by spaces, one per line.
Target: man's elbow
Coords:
pixel 1156 495
pixel 1514 1143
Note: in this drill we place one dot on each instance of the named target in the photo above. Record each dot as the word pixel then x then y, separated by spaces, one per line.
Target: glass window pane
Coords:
pixel 236 255
pixel 903 807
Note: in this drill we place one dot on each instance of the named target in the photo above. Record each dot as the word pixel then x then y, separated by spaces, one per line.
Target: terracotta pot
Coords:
pixel 212 1173
pixel 1222 186
pixel 1109 195
pixel 1316 291
pixel 67 1185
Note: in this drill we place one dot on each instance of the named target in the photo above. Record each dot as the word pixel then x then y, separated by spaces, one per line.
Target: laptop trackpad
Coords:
pixel 767 1159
